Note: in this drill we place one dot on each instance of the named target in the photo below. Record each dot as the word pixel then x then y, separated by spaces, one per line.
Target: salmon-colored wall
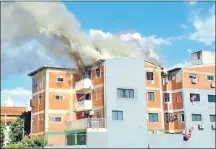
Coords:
pixel 35 105
pixel 100 101
pixel 59 104
pixel 95 80
pixel 155 125
pixel 202 82
pixel 60 85
pixel 56 140
pixel 157 102
pixel 57 126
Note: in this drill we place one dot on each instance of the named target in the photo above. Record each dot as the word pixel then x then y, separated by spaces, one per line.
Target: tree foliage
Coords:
pixel 2 135
pixel 27 142
pixel 26 116
pixel 16 130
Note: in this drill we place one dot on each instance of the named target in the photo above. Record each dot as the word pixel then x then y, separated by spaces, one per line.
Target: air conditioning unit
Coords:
pixel 201 126
pixel 213 127
pixel 194 81
pixel 212 85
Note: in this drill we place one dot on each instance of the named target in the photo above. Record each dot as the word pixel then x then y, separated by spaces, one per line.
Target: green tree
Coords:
pixel 26 116
pixel 27 142
pixel 16 130
pixel 2 135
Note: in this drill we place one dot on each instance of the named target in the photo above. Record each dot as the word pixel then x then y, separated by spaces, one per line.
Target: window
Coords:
pixel 60 79
pixel 150 75
pixel 55 119
pixel 117 115
pixel 210 78
pixel 195 95
pixel 98 73
pixel 192 76
pixel 88 74
pixel 39 99
pixel 211 98
pixel 125 93
pixel 212 118
pixel 181 118
pixel 151 96
pixel 34 81
pixel 196 117
pixel 153 117
pixel 166 97
pixel 168 117
pixel 58 97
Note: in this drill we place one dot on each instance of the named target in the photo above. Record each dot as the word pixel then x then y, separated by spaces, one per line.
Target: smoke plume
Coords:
pixel 60 36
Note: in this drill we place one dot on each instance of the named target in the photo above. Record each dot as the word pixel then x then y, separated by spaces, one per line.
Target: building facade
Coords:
pixel 121 96
pixel 189 96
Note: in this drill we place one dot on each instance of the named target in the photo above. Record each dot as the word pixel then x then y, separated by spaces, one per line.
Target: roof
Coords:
pixel 49 67
pixel 12 110
pixel 174 69
pixel 154 64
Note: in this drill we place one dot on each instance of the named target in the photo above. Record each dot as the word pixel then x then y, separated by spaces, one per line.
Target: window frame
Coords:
pixel 191 94
pixel 181 116
pixel 124 90
pixel 214 117
pixel 207 77
pixel 149 94
pixel 117 112
pixel 153 114
pixel 54 119
pixel 60 78
pixel 39 99
pixel 147 75
pixel 97 73
pixel 59 97
pixel 214 99
pixel 196 115
pixel 165 98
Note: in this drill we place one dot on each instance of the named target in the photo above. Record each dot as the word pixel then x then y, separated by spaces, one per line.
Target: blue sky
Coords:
pixel 179 28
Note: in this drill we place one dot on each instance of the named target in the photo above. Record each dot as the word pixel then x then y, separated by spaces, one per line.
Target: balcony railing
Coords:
pixel 94 123
pixel 83 86
pixel 84 105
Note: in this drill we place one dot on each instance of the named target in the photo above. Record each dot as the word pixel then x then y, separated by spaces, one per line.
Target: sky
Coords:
pixel 174 29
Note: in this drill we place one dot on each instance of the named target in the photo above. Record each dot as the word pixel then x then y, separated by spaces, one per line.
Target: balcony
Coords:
pixel 84 105
pixel 86 123
pixel 83 86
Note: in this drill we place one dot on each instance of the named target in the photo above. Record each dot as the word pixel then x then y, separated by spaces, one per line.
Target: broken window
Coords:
pixel 87 96
pixel 88 74
pixel 98 73
pixel 150 75
pixel 166 97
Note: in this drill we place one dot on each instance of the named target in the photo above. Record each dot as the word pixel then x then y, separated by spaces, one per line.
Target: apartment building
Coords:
pixel 189 95
pixel 52 102
pixel 154 98
pixel 62 101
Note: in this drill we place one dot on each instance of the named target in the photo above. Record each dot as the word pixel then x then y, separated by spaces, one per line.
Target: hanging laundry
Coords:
pixel 193 99
pixel 188 136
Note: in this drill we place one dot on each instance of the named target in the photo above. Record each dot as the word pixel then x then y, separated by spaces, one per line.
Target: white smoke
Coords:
pixel 53 36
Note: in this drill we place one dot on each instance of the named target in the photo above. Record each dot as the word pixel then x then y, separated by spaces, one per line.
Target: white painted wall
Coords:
pixel 132 131
pixel 203 107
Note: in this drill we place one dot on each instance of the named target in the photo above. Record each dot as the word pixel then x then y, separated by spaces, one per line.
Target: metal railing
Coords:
pixel 85 123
